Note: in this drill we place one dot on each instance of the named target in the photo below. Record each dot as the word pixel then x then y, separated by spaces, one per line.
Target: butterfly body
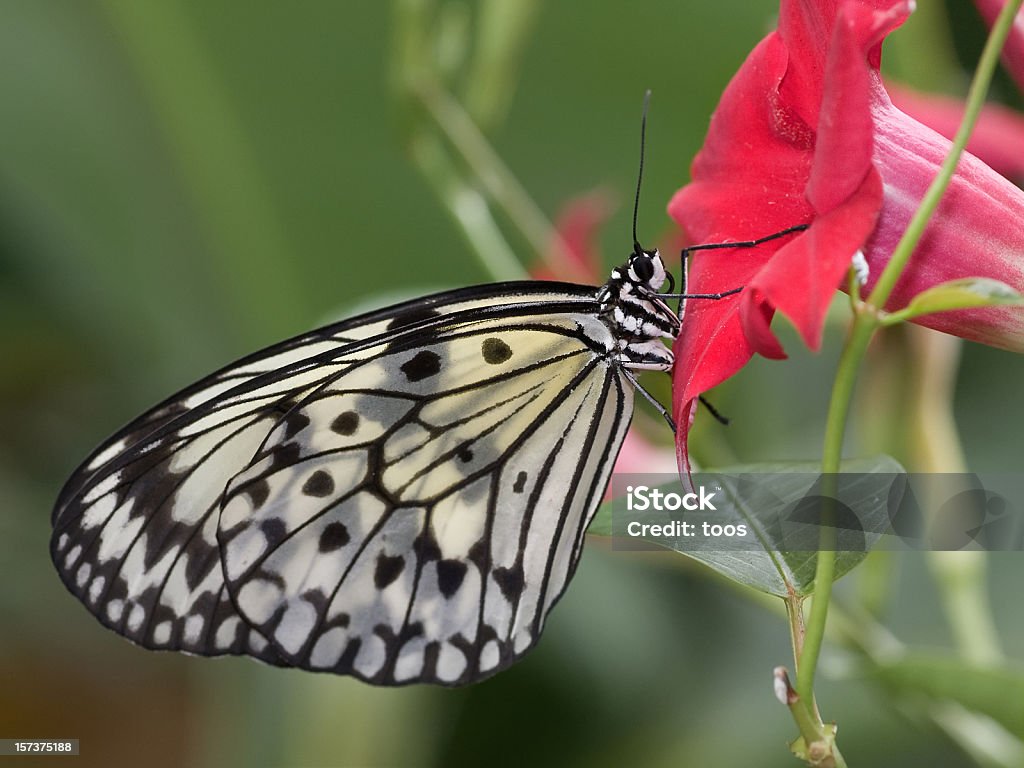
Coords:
pixel 401 497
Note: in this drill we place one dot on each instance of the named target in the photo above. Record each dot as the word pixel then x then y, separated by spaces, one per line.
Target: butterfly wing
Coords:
pixel 415 518
pixel 135 529
pixel 289 356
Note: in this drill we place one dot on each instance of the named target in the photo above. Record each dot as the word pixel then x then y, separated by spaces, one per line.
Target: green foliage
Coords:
pixel 184 181
pixel 994 691
pixel 966 293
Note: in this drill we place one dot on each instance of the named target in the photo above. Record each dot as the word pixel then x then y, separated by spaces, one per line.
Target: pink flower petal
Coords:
pixel 977 231
pixel 997 138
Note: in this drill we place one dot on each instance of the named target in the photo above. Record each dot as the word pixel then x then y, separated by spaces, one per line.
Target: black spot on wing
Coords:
pixel 424 365
pixel 258 492
pixel 520 483
pixel 465 453
pixel 450 574
pixel 334 536
pixel 425 546
pixel 295 422
pixel 478 554
pixel 274 529
pixel 320 483
pixel 388 569
pixel 168 535
pixel 198 566
pixel 346 423
pixel 495 351
pixel 284 455
pixel 510 580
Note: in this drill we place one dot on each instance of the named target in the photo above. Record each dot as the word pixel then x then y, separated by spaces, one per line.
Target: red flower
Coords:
pixel 806 133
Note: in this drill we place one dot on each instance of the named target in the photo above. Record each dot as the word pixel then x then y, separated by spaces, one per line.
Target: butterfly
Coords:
pixel 401 497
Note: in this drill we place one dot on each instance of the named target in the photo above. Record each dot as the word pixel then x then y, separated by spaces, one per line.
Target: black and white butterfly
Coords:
pixel 401 496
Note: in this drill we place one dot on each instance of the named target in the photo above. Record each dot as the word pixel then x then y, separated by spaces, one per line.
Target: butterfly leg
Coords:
pixel 723 420
pixel 651 399
pixel 743 243
pixel 685 256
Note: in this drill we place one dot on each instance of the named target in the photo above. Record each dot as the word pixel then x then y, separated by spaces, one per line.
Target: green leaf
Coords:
pixel 996 691
pixel 778 563
pixel 965 293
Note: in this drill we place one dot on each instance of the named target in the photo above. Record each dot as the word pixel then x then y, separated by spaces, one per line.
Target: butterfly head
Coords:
pixel 645 268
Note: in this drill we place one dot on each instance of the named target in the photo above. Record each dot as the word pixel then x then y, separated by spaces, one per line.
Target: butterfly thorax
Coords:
pixel 636 314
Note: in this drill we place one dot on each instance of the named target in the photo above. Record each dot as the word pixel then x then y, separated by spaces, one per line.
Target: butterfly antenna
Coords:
pixel 637 248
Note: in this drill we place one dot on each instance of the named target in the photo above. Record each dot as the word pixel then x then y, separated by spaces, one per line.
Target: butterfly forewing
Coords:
pixel 415 518
pixel 286 357
pixel 389 463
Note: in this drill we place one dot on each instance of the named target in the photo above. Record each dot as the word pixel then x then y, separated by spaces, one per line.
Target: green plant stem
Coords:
pixel 839 407
pixel 935 447
pixel 866 320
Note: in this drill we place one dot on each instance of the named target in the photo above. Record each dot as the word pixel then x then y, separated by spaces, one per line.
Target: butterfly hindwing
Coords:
pixel 415 518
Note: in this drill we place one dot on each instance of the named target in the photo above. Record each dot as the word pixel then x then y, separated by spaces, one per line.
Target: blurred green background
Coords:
pixel 184 181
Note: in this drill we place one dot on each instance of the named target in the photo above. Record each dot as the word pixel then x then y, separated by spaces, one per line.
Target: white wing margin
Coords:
pixel 135 527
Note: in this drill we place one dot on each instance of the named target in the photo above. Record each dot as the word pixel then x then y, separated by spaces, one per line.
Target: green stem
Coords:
pixel 866 320
pixel 842 388
pixel 935 447
pixel 860 334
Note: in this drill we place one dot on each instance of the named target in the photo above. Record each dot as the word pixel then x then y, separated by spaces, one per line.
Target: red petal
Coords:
pixel 749 177
pixel 791 141
pixel 806 27
pixel 815 264
pixel 684 420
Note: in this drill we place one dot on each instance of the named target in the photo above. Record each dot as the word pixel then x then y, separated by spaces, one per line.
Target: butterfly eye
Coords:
pixel 643 268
